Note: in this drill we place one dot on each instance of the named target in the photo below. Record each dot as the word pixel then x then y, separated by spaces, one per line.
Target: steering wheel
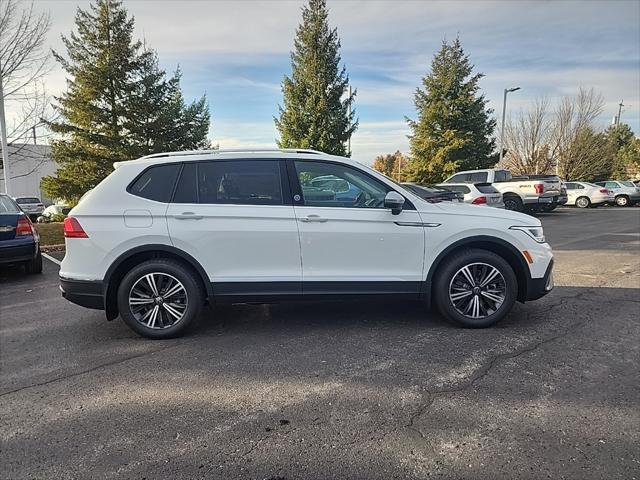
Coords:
pixel 360 198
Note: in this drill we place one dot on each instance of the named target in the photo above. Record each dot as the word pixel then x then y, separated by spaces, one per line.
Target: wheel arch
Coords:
pixel 493 244
pixel 136 255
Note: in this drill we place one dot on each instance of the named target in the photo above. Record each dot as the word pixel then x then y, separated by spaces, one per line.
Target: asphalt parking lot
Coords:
pixel 358 391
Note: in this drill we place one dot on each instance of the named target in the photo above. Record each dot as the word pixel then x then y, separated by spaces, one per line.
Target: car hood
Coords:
pixel 464 209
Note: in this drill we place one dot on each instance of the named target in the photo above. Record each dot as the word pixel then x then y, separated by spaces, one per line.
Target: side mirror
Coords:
pixel 394 201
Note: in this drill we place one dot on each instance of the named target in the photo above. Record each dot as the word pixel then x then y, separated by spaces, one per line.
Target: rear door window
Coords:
pixel 502 176
pixel 187 187
pixel 156 183
pixel 486 188
pixel 459 189
pixel 243 182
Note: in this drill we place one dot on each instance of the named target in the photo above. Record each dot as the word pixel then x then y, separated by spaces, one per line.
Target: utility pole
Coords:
pixel 620 105
pixel 3 138
pixel 504 111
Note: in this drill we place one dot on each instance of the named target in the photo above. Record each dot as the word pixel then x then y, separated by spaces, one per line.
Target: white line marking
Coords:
pixel 49 257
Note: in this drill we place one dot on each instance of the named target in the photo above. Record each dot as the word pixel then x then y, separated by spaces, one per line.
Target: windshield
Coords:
pixel 28 200
pixel 7 205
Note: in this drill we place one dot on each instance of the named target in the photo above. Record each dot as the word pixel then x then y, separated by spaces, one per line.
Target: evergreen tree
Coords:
pixel 314 114
pixel 454 128
pixel 118 104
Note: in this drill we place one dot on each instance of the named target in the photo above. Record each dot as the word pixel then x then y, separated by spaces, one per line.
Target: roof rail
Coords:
pixel 233 150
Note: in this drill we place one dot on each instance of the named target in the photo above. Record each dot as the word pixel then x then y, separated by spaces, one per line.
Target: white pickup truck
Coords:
pixel 519 195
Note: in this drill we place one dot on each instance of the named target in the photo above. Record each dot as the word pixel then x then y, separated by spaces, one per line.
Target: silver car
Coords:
pixel 626 193
pixel 476 193
pixel 584 194
pixel 32 206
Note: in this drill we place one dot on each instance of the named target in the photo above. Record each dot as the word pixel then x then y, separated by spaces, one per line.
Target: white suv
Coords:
pixel 164 234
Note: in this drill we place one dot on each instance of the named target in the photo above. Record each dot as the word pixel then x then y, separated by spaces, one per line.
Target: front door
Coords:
pixel 235 217
pixel 350 243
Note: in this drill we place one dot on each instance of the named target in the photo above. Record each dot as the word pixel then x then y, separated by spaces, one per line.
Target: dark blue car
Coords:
pixel 19 241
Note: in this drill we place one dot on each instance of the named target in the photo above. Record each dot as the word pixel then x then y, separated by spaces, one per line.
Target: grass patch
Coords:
pixel 50 233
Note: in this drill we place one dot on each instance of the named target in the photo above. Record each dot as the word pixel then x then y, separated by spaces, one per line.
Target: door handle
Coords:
pixel 187 216
pixel 313 218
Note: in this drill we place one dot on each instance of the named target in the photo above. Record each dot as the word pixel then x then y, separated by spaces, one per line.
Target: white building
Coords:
pixel 28 163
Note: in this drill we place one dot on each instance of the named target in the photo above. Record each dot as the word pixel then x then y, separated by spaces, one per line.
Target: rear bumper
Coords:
pixel 18 253
pixel 86 293
pixel 539 287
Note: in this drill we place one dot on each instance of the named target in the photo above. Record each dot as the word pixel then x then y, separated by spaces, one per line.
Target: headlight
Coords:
pixel 534 232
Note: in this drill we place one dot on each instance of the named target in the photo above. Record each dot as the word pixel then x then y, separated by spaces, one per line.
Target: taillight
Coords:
pixel 24 227
pixel 72 228
pixel 539 187
pixel 479 201
pixel 604 190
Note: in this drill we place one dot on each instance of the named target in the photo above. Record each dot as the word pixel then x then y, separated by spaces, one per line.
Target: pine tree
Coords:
pixel 314 114
pixel 454 128
pixel 118 104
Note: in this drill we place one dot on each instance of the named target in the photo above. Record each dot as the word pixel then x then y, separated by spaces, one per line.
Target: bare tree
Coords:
pixel 527 140
pixel 572 127
pixel 23 63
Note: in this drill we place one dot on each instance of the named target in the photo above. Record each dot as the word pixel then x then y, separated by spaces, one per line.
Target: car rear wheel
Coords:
pixel 513 203
pixel 159 298
pixel 622 200
pixel 583 202
pixel 35 265
pixel 475 288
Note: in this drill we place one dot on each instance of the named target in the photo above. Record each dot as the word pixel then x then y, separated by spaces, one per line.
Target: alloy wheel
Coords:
pixel 158 300
pixel 582 202
pixel 477 290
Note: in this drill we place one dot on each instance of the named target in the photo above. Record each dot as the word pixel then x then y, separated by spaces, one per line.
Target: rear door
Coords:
pixel 235 217
pixel 354 245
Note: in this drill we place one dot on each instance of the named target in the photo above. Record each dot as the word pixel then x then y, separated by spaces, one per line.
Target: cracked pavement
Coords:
pixel 362 390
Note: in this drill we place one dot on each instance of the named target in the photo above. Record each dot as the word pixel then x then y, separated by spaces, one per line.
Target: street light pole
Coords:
pixel 504 111
pixel 3 138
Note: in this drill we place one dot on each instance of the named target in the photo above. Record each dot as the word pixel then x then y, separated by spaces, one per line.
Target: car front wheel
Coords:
pixel 475 288
pixel 159 298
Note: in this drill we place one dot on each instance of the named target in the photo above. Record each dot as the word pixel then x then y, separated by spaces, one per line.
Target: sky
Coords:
pixel 238 52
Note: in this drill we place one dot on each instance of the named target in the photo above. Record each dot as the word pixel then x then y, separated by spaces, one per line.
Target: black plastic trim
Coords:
pixel 89 294
pixel 537 286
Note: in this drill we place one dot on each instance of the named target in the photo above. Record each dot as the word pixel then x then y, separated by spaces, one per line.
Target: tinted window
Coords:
pixel 25 200
pixel 628 184
pixel 487 188
pixel 186 190
pixel 457 178
pixel 156 183
pixel 7 205
pixel 611 184
pixel 501 176
pixel 363 191
pixel 477 177
pixel 240 182
pixel 459 188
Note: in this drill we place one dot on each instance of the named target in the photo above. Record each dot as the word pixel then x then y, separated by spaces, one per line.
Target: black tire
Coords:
pixel 476 259
pixel 34 266
pixel 188 305
pixel 583 202
pixel 511 202
pixel 622 201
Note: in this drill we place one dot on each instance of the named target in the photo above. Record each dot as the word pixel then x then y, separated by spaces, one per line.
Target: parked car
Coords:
pixel 584 194
pixel 626 193
pixel 477 193
pixel 54 211
pixel 32 206
pixel 518 195
pixel 164 234
pixel 433 194
pixel 558 200
pixel 19 241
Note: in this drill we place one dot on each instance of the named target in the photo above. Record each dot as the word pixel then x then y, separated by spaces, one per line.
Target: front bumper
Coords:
pixel 86 293
pixel 539 287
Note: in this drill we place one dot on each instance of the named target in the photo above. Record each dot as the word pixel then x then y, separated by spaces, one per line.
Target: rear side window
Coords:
pixel 187 188
pixel 242 182
pixel 487 188
pixel 156 183
pixel 477 177
pixel 459 189
pixel 501 176
pixel 611 184
pixel 457 178
pixel 7 205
